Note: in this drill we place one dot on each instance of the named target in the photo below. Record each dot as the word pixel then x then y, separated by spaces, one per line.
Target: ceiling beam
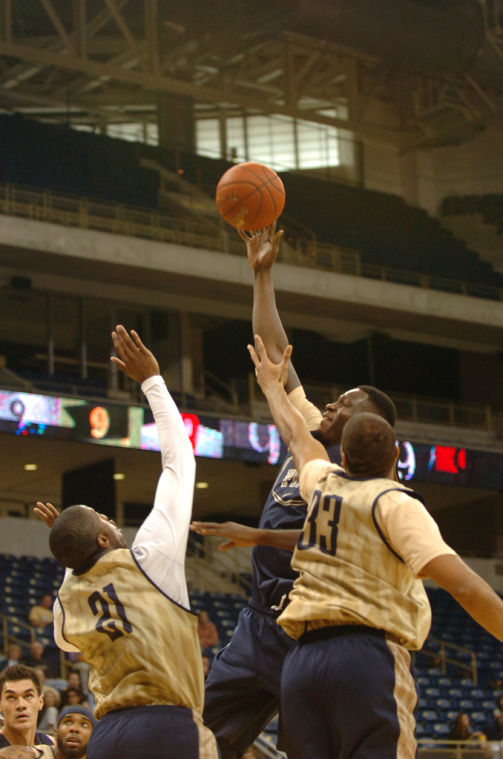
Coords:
pixel 159 83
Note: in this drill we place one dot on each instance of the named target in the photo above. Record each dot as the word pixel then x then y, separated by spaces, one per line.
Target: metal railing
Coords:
pixel 444 653
pixel 9 637
pixel 75 211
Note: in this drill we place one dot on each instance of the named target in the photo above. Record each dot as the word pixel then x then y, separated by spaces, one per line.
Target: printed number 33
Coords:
pixel 321 526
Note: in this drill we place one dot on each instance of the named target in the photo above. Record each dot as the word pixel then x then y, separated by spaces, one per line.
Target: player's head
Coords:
pixel 354 401
pixel 368 446
pixel 73 730
pixel 20 697
pixel 80 533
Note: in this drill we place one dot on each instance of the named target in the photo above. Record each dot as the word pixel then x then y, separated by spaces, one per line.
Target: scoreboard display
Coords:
pixel 115 424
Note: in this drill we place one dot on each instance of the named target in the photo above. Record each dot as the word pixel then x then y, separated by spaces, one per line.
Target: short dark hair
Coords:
pixel 72 539
pixel 383 403
pixel 368 441
pixel 17 672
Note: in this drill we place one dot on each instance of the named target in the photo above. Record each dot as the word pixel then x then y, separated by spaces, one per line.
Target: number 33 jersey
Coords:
pixel 142 647
pixel 350 571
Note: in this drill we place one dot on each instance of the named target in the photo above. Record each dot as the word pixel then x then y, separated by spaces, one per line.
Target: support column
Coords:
pixel 175 120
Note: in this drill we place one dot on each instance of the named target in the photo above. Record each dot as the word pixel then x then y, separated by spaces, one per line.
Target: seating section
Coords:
pixel 382 227
pixel 443 690
pixel 490 206
pixel 53 157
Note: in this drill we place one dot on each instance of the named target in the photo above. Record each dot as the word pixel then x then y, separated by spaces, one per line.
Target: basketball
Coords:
pixel 250 196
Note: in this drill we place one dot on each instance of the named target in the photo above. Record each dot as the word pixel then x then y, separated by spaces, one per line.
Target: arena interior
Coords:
pixel 384 121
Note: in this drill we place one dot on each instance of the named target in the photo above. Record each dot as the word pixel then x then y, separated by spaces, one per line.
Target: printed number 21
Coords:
pixel 106 624
pixel 314 532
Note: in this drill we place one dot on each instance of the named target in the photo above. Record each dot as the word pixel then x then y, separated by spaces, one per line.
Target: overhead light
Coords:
pixel 119 476
pixel 31 467
pixel 202 485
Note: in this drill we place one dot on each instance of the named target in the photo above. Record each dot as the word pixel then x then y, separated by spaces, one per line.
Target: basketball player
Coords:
pixel 127 611
pixel 243 686
pixel 358 605
pixel 74 728
pixel 20 703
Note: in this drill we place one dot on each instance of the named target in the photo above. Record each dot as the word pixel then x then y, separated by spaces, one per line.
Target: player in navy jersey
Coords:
pixel 243 687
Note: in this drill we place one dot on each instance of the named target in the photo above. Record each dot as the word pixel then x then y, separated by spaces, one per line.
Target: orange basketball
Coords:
pixel 250 196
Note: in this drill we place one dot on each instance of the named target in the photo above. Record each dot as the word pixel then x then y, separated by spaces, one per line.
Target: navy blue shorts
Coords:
pixel 348 692
pixel 243 686
pixel 144 732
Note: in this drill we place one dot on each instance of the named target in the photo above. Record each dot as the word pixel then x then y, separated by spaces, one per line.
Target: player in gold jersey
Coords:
pixel 358 606
pixel 127 611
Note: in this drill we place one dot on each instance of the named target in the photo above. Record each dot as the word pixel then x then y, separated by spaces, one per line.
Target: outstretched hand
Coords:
pixel 269 374
pixel 46 512
pixel 239 535
pixel 134 358
pixel 262 246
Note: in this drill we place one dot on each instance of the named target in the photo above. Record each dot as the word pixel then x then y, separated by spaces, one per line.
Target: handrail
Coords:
pixel 8 638
pixel 71 210
pixel 444 660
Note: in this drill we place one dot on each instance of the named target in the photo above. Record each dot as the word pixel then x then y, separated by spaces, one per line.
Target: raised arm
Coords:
pixel 470 591
pixel 290 423
pixel 262 249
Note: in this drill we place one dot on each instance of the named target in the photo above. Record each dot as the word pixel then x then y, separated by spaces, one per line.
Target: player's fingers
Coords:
pixel 137 340
pixel 125 342
pixel 277 237
pixel 225 546
pixel 118 362
pixel 287 353
pixel 260 347
pixel 253 355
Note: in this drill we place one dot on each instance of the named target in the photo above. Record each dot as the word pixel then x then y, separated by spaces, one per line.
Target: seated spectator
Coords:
pixel 494 726
pixel 207 631
pixel 73 694
pixel 14 653
pixel 462 729
pixel 74 697
pixel 48 717
pixel 41 615
pixel 37 658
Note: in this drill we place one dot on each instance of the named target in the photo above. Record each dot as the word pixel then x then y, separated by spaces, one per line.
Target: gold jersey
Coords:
pixel 141 646
pixel 348 573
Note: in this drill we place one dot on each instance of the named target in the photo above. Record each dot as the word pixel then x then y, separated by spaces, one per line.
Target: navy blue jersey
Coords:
pixel 284 509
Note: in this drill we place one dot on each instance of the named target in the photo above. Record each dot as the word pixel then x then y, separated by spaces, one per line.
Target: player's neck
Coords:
pixel 19 737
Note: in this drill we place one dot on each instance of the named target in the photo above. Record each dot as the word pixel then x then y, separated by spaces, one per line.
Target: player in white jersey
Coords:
pixel 127 611
pixel 358 605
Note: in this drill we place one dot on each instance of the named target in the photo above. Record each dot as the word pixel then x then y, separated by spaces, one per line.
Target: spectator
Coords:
pixel 462 729
pixel 20 702
pixel 48 717
pixel 14 653
pixel 207 631
pixel 37 658
pixel 41 615
pixel 74 728
pixel 73 693
pixel 494 726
